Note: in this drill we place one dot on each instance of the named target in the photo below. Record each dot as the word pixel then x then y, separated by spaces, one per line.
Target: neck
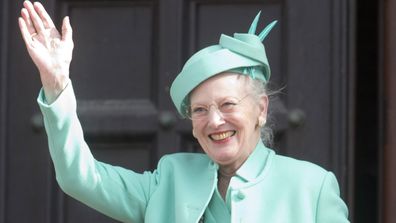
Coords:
pixel 223 182
pixel 228 170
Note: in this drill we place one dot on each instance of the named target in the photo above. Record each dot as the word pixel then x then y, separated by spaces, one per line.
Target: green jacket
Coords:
pixel 179 190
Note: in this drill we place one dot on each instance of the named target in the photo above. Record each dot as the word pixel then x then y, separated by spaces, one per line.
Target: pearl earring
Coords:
pixel 261 122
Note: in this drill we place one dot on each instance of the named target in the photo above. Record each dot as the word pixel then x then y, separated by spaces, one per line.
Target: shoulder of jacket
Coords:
pixel 293 164
pixel 299 171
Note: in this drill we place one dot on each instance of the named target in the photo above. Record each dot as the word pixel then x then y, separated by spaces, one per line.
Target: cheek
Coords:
pixel 252 115
pixel 246 119
pixel 248 124
pixel 197 128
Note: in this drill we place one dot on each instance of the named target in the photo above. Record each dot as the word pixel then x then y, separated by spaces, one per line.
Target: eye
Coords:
pixel 227 106
pixel 198 110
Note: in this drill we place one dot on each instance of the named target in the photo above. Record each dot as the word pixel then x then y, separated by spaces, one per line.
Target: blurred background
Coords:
pixel 335 59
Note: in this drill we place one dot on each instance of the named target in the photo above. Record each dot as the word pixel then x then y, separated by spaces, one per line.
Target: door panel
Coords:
pixel 113 61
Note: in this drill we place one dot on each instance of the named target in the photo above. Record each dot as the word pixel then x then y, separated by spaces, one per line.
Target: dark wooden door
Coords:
pixel 126 55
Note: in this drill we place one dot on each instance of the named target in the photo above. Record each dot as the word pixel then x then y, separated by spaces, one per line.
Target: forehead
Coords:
pixel 220 86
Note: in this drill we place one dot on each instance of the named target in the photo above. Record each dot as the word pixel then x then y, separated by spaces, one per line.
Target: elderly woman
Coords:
pixel 222 90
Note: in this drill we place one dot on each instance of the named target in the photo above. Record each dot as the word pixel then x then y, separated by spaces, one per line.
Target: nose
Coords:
pixel 215 118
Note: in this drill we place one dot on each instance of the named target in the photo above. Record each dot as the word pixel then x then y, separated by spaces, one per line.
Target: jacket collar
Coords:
pixel 255 164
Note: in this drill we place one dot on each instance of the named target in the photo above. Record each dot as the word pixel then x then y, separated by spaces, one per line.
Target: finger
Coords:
pixel 47 21
pixel 67 32
pixel 37 22
pixel 24 31
pixel 28 21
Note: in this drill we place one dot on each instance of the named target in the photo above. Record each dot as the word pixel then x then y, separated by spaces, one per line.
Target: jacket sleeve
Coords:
pixel 331 208
pixel 117 192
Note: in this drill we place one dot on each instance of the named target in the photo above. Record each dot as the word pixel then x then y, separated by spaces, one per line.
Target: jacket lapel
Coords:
pixel 201 187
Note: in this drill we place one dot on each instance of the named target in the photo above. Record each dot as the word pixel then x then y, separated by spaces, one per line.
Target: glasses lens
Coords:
pixel 226 106
pixel 198 111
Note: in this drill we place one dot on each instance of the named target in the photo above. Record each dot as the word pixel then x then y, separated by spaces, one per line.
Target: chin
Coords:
pixel 225 157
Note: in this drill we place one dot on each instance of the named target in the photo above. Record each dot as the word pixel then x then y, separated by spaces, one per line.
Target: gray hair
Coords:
pixel 260 88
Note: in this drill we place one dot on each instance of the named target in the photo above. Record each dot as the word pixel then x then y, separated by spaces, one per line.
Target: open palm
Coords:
pixel 50 50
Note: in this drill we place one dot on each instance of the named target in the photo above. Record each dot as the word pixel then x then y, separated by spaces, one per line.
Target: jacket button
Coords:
pixel 240 195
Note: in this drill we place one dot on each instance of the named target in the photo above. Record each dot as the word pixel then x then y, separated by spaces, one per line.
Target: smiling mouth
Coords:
pixel 222 136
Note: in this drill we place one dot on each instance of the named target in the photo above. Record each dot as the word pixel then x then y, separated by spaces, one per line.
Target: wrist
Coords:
pixel 53 89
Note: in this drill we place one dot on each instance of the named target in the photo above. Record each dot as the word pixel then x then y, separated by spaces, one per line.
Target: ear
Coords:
pixel 263 108
pixel 193 133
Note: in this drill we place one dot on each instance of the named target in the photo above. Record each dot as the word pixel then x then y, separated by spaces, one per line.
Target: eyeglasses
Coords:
pixel 226 106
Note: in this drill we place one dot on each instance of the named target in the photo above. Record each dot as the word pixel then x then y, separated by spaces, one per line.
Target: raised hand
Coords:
pixel 50 50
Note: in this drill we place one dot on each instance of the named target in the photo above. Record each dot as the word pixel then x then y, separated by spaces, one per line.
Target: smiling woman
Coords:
pixel 222 89
pixel 229 137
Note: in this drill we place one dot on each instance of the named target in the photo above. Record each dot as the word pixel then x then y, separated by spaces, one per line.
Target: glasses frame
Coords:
pixel 216 105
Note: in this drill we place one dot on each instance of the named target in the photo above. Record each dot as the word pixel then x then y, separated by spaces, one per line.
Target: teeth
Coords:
pixel 222 136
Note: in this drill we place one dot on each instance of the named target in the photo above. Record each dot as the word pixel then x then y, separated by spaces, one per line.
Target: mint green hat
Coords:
pixel 243 53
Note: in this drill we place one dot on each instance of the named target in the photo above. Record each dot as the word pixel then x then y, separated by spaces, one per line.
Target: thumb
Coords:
pixel 67 32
